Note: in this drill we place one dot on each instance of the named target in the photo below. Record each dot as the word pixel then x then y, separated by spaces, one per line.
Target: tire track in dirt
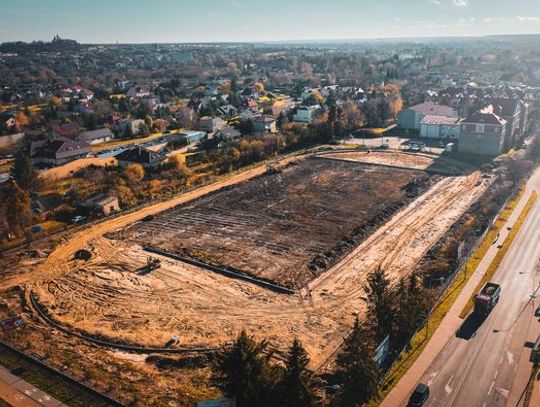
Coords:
pixel 214 304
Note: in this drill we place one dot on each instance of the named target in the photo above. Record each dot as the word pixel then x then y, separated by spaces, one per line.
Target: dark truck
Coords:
pixel 487 299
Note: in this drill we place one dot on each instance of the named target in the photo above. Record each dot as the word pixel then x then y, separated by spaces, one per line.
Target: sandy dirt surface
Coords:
pixel 105 297
pixel 391 158
pixel 287 227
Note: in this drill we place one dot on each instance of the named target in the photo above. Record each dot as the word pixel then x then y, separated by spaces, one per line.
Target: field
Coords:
pixel 286 227
pixel 346 218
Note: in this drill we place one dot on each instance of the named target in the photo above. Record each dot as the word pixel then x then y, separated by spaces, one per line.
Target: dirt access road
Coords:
pixel 104 297
pixel 58 261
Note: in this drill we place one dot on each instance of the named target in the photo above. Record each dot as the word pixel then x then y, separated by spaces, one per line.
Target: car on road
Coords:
pixel 419 395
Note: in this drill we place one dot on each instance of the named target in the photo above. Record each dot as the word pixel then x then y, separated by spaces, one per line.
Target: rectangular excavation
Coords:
pixel 286 227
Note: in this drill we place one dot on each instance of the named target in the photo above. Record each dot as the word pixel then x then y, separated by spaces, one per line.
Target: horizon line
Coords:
pixel 293 41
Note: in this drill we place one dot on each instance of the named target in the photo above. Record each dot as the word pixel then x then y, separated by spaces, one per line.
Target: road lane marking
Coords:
pixel 447 388
pixel 510 358
pixel 503 392
pixel 432 378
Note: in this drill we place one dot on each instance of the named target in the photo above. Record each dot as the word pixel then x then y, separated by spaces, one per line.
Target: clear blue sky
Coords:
pixel 95 21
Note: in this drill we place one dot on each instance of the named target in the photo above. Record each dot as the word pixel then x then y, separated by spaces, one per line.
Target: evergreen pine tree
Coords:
pixel 357 367
pixel 23 172
pixel 381 303
pixel 243 371
pixel 297 386
pixel 17 207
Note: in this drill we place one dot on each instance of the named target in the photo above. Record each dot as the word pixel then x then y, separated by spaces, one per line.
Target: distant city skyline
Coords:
pixel 134 21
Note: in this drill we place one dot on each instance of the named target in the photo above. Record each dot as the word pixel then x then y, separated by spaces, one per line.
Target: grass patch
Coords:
pixel 501 253
pixel 422 337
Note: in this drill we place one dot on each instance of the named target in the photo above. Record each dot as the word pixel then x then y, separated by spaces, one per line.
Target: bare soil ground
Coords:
pixel 399 159
pixel 286 227
pixel 105 298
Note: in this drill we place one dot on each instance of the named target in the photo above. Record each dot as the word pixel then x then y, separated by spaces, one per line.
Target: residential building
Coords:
pixel 58 151
pixel 192 136
pixel 8 124
pixel 130 126
pixel 440 127
pixel 210 124
pixel 139 155
pixel 96 136
pixel 228 111
pixel 305 114
pixel 483 133
pixel 411 117
pixel 227 134
pixel 510 110
pixel 265 124
pixel 104 205
pixel 67 130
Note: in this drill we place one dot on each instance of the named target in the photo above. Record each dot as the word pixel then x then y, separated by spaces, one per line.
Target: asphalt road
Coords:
pixel 486 362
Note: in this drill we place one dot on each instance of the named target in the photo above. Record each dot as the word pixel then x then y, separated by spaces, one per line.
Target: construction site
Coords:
pixel 280 251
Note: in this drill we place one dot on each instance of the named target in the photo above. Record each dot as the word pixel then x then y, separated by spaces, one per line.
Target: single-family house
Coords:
pixel 96 136
pixel 411 117
pixel 129 126
pixel 104 205
pixel 264 124
pixel 305 114
pixel 210 124
pixel 139 155
pixel 227 111
pixel 227 134
pixel 138 92
pixel 58 151
pixel 67 130
pixel 483 133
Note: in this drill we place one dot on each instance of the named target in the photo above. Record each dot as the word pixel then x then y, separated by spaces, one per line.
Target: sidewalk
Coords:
pixel 19 393
pixel 451 322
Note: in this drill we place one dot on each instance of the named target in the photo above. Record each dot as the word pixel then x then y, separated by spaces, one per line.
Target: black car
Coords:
pixel 419 396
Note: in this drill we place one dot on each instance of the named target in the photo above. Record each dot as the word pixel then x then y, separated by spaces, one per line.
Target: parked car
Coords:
pixel 79 219
pixel 419 395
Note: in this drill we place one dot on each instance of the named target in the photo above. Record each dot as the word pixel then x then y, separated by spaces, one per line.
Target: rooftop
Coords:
pixel 140 155
pixel 441 120
pixel 433 109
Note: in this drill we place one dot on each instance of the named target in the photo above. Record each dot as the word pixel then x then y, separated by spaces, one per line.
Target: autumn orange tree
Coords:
pixel 134 172
pixel 21 119
pixel 17 207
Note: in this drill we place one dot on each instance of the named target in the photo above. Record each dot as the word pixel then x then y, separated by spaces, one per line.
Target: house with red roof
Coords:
pixel 67 130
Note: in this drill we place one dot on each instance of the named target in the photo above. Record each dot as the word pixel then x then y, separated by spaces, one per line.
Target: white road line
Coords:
pixel 447 388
